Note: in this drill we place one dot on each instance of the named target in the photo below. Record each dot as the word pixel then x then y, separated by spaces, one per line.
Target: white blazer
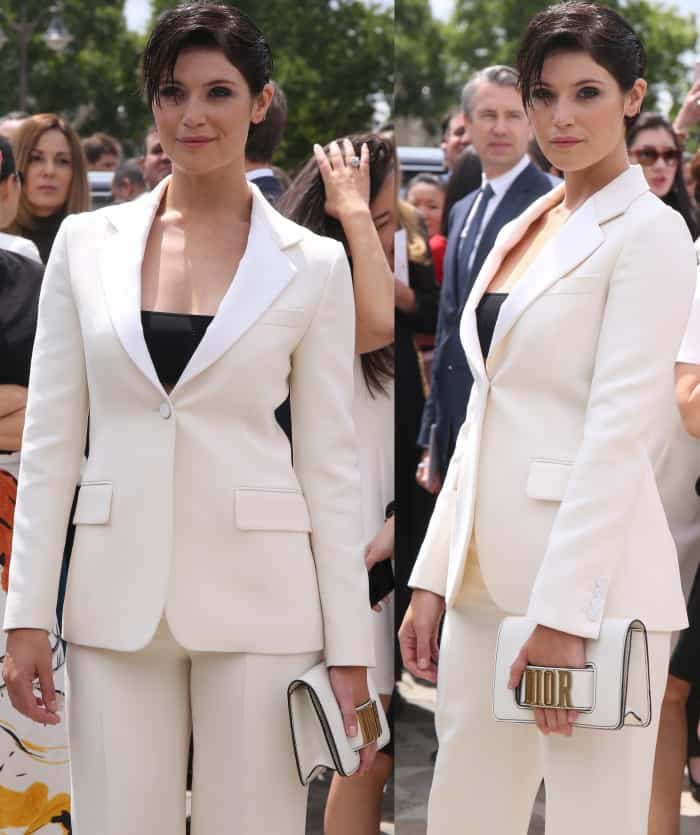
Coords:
pixel 554 472
pixel 189 501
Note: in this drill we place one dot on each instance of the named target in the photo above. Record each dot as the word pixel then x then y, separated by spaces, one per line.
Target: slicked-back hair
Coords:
pixel 207 26
pixel 304 203
pixel 677 197
pixel 579 26
pixel 498 74
pixel 8 166
pixel 263 141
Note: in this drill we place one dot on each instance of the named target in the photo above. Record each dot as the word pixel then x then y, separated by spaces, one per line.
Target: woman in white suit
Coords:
pixel 550 508
pixel 212 564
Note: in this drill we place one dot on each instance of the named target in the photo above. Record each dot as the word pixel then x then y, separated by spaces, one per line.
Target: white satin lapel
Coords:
pixel 575 242
pixel 263 273
pixel 507 238
pixel 120 273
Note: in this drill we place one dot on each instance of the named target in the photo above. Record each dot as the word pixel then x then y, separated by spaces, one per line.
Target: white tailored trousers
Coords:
pixel 129 721
pixel 487 773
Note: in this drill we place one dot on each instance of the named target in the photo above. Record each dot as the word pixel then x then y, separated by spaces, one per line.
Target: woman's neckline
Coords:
pixel 172 313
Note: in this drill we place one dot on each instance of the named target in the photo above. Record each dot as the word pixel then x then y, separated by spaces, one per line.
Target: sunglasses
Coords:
pixel 648 155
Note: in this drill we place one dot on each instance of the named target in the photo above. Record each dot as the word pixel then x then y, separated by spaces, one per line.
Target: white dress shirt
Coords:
pixel 500 186
pixel 22 246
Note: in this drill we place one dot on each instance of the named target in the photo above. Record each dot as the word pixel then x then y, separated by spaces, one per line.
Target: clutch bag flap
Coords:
pixel 611 691
pixel 318 732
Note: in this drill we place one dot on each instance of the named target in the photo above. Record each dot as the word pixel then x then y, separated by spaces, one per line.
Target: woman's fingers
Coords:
pixel 348 151
pixel 335 155
pixel 517 668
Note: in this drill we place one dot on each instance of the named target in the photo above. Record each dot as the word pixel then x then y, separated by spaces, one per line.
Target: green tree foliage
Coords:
pixel 94 81
pixel 422 86
pixel 332 59
pixel 484 32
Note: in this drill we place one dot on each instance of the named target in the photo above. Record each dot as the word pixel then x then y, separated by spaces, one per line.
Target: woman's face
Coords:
pixel 655 150
pixel 205 112
pixel 49 174
pixel 578 111
pixel 429 201
pixel 383 209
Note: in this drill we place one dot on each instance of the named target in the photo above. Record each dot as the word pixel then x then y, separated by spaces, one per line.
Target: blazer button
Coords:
pixel 165 410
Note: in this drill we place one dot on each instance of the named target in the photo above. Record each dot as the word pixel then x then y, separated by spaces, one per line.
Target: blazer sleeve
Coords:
pixel 326 463
pixel 649 297
pixel 53 445
pixel 690 347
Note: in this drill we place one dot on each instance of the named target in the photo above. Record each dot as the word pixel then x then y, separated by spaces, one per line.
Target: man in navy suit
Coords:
pixel 499 133
pixel 263 140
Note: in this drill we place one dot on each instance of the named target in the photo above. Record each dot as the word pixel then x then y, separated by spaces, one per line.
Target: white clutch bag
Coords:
pixel 318 731
pixel 612 690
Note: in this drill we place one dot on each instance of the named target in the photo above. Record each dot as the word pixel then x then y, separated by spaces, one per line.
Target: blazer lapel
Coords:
pixel 506 239
pixel 575 242
pixel 120 273
pixel 452 252
pixel 263 272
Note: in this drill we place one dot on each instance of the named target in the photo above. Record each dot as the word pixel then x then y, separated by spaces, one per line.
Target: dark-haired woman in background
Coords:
pixel 210 565
pixel 426 193
pixel 51 159
pixel 348 192
pixel 550 508
pixel 654 144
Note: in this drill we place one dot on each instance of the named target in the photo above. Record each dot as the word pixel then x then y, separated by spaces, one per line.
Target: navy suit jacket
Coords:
pixel 451 380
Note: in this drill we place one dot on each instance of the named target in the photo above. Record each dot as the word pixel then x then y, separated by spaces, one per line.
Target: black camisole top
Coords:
pixel 171 339
pixel 486 316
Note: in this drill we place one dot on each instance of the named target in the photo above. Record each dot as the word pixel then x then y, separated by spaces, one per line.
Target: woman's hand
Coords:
pixel 350 689
pixel 382 546
pixel 550 648
pixel 28 656
pixel 418 635
pixel 689 114
pixel 379 549
pixel 347 186
pixel 422 474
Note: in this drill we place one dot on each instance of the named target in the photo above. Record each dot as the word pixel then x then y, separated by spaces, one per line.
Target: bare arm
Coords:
pixel 688 396
pixel 13 400
pixel 347 199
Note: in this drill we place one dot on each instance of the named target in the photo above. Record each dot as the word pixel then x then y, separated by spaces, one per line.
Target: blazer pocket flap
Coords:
pixel 286 317
pixel 271 510
pixel 94 504
pixel 547 480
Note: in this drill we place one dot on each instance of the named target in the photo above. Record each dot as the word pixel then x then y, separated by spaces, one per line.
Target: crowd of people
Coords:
pixel 470 378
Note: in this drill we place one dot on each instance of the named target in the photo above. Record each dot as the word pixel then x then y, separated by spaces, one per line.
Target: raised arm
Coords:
pixel 347 199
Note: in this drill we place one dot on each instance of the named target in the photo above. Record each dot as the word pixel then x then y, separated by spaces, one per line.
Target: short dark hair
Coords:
pixel 98 144
pixel 8 166
pixel 579 26
pixel 211 26
pixel 447 120
pixel 426 180
pixel 263 141
pixel 131 171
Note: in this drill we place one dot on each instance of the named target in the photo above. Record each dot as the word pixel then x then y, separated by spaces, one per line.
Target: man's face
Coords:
pixel 499 128
pixel 155 163
pixel 455 140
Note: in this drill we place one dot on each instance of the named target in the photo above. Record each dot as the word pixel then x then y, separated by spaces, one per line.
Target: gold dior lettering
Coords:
pixel 547 688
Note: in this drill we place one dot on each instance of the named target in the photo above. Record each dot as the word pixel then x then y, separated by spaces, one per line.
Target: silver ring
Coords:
pixel 354 162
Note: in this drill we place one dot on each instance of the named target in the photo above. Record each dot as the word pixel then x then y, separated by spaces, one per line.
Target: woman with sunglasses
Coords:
pixel 653 144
